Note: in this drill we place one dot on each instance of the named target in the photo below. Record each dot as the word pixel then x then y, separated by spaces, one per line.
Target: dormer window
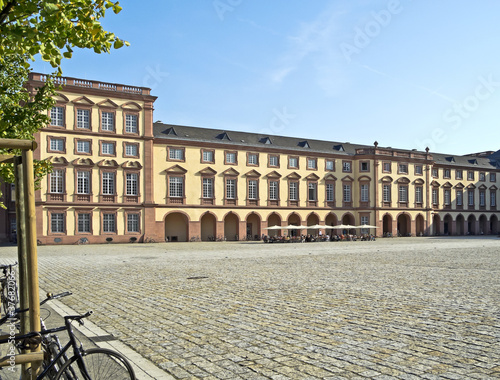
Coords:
pixel 223 136
pixel 304 144
pixel 339 148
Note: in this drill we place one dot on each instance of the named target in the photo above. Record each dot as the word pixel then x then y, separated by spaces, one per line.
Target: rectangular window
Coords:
pixel 83 119
pixel 493 199
pixel 273 190
pixel 230 158
pixel 482 198
pixel 419 197
pixel 435 172
pixel 57 222
pixel 364 221
pixel 293 193
pixel 133 223
pixel 273 161
pixel 83 223
pixel 57 181
pixel 82 146
pixel 403 168
pixel 482 176
pixel 176 154
pixel 471 197
pixel 131 123
pixel 347 193
pixel 57 144
pixel 403 194
pixel 493 177
pixel 108 223
pixel 434 196
pixel 83 182
pixel 387 167
pixel 364 193
pixel 252 189
pixel 364 167
pixel 208 156
pixel 253 159
pixel 418 170
pixel 311 163
pixel 330 192
pixel 329 165
pixel 176 187
pixel 108 121
pixel 387 193
pixel 460 198
pixel 230 189
pixel 132 184
pixel 108 183
pixel 293 162
pixel 470 175
pixel 131 150
pixel 346 167
pixel 108 148
pixel 57 116
pixel 447 173
pixel 459 174
pixel 208 188
pixel 447 197
pixel 312 191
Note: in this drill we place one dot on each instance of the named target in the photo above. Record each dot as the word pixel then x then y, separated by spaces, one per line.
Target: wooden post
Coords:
pixel 22 255
pixel 31 248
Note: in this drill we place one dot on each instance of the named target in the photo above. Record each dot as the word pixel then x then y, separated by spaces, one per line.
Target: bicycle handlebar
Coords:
pixel 50 296
pixel 5 266
pixel 69 318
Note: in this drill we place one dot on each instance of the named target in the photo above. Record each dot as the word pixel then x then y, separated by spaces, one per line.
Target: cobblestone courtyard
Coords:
pixel 408 308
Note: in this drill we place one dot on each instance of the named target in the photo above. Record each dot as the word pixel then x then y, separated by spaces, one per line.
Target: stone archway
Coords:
pixel 294 220
pixel 471 225
pixel 330 220
pixel 460 225
pixel 274 220
pixel 348 219
pixel 208 224
pixel 176 227
pixel 231 227
pixel 404 225
pixel 436 225
pixel 483 225
pixel 420 225
pixel 387 225
pixel 494 224
pixel 447 225
pixel 253 227
pixel 311 221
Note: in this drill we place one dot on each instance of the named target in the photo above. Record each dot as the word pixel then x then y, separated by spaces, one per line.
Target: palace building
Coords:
pixel 120 177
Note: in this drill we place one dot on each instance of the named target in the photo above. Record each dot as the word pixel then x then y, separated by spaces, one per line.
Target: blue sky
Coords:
pixel 408 74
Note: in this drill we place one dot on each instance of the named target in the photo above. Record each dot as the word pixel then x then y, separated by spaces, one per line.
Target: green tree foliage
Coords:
pixel 51 28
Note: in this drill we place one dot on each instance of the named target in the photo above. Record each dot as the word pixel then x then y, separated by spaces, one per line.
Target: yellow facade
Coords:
pixel 120 177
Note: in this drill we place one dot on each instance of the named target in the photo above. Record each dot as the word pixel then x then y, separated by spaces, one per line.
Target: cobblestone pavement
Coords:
pixel 408 308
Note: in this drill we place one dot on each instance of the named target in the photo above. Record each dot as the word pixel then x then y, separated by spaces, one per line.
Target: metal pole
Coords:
pixel 22 254
pixel 32 258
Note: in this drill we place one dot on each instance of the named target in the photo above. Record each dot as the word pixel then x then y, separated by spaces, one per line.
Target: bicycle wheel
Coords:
pixel 100 363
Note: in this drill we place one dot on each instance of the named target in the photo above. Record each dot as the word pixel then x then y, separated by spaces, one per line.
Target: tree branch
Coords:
pixel 6 10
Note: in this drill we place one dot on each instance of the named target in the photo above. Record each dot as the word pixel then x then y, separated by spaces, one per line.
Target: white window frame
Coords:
pixel 208 188
pixel 365 193
pixel 132 184
pixel 57 181
pixel 176 187
pixel 108 183
pixel 133 224
pixel 230 188
pixel 108 148
pixel 57 222
pixel 57 116
pixel 83 222
pixel 109 223
pixel 82 118
pixel 273 190
pixel 131 150
pixel 253 192
pixel 83 182
pixel 108 121
pixel 131 123
pixel 56 144
pixel 82 146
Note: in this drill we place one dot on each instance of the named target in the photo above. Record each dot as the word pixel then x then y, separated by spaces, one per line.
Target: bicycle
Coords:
pixel 82 241
pixel 149 240
pixel 91 364
pixel 8 288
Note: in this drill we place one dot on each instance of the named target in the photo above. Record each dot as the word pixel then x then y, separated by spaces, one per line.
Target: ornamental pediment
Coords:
pixel 435 184
pixel 55 160
pixel 471 186
pixel 386 179
pixel 330 177
pixel 403 180
pixel 176 169
pixel 207 171
pixel 253 173
pixel 82 162
pixel 273 174
pixel 60 98
pixel 459 185
pixel 483 187
pixel 419 181
pixel 107 103
pixel 108 164
pixel 348 178
pixel 493 187
pixel 293 175
pixel 364 178
pixel 132 106
pixel 448 185
pixel 312 177
pixel 231 172
pixel 83 100
pixel 132 165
